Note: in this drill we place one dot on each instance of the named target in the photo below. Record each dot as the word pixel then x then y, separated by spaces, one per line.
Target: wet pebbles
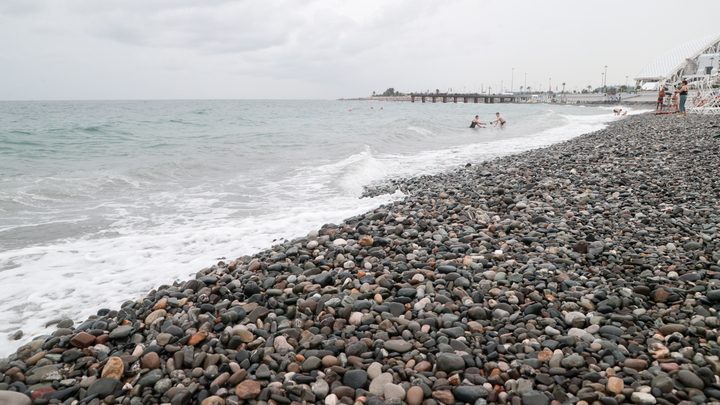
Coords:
pixel 583 273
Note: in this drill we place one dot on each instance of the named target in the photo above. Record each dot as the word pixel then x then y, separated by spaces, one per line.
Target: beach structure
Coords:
pixel 470 98
pixel 695 61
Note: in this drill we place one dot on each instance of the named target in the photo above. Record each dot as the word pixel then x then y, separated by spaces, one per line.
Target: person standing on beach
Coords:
pixel 500 120
pixel 661 98
pixel 476 122
pixel 676 100
pixel 683 98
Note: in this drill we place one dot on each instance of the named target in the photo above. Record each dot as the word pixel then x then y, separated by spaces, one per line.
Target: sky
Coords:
pixel 307 49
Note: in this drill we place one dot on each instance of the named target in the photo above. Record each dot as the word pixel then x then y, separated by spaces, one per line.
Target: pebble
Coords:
pixel 586 272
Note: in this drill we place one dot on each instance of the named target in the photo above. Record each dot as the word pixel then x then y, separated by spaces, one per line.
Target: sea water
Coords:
pixel 102 201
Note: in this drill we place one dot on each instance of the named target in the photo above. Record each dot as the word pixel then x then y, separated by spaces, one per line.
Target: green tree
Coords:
pixel 392 92
pixel 563 88
pixel 623 88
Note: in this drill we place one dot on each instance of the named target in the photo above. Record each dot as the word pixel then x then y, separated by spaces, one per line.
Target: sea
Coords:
pixel 103 201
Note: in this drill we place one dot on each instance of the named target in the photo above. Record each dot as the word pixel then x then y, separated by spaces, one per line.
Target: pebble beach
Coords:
pixel 582 273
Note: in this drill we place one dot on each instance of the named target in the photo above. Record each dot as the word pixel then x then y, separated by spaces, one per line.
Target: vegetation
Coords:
pixel 391 92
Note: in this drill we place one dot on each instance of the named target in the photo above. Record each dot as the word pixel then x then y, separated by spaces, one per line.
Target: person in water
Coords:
pixel 500 120
pixel 476 122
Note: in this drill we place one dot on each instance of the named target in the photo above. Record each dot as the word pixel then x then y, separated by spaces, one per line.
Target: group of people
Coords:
pixel 678 99
pixel 499 121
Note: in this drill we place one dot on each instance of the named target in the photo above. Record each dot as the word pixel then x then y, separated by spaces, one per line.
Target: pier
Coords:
pixel 470 98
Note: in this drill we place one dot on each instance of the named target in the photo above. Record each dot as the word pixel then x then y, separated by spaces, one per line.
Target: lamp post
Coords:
pixel 512 80
pixel 602 82
pixel 550 83
pixel 605 83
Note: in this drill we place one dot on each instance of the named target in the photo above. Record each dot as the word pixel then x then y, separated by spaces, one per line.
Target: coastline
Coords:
pixel 596 243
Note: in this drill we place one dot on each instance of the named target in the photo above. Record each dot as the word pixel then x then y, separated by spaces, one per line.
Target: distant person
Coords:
pixel 661 98
pixel 617 111
pixel 500 120
pixel 476 122
pixel 683 98
pixel 676 100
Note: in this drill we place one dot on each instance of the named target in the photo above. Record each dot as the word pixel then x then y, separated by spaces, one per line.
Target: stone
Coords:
pixel 14 398
pixel 470 393
pixel 320 388
pixel 248 389
pixel 643 398
pixel 397 345
pixel 377 385
pixel 355 378
pixel 663 382
pixel 114 368
pixel 572 361
pixel 449 362
pixel 535 398
pixel 374 370
pixel 151 361
pixel 415 395
pixel 82 340
pixel 443 396
pixel 690 379
pixel 104 387
pixel 394 391
pixel 615 385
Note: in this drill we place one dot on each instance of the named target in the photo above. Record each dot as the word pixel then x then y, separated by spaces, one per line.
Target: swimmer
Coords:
pixel 476 122
pixel 500 120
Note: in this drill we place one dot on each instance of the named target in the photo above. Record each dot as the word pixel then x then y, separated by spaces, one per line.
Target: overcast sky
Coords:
pixel 305 49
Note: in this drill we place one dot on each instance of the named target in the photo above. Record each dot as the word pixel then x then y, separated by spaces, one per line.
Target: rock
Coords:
pixel 470 393
pixel 415 396
pixel 14 398
pixel 248 389
pixel 355 378
pixel 320 388
pixel 615 385
pixel 449 362
pixel 104 387
pixel 443 396
pixel 574 360
pixel 114 368
pixel 663 382
pixel 643 398
pixel 397 345
pixel 374 370
pixel 535 398
pixel 690 379
pixel 377 385
pixel 394 391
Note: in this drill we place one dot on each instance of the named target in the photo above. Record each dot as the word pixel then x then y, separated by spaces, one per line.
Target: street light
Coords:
pixel 605 83
pixel 550 83
pixel 512 80
pixel 602 82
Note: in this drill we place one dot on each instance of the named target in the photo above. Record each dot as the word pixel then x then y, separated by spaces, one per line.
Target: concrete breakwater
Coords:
pixel 582 273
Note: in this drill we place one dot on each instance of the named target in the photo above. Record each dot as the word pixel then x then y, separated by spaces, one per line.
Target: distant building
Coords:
pixel 694 61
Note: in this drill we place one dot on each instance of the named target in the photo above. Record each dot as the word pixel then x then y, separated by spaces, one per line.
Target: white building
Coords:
pixel 694 61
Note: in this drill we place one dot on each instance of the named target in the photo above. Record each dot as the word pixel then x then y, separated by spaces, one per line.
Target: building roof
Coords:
pixel 670 61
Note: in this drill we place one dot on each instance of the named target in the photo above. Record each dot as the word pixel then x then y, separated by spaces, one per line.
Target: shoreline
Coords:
pixel 513 264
